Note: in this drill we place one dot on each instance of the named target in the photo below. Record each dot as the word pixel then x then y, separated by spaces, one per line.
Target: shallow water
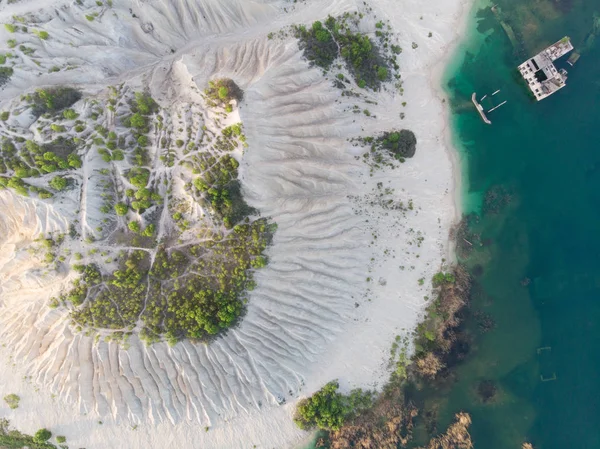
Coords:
pixel 547 157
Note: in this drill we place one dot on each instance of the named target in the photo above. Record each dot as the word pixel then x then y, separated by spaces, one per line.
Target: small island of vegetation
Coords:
pixel 323 43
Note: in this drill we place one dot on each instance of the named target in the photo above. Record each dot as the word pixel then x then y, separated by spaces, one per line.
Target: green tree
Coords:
pixel 329 410
pixel 134 226
pixel 149 231
pixel 58 183
pixel 70 114
pixel 223 92
pixel 42 436
pixel 121 209
pixel 325 409
pixel 137 120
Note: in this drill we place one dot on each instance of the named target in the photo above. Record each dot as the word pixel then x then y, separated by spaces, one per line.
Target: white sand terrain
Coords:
pixel 344 267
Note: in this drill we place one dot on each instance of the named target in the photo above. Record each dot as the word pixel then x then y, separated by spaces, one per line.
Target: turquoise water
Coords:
pixel 546 156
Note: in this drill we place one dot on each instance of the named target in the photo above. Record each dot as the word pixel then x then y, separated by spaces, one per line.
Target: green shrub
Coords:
pixel 4 115
pixel 323 43
pixel 443 278
pixel 220 92
pixel 137 120
pixel 149 231
pixel 42 436
pixel 74 161
pixel 12 400
pixel 401 144
pixel 11 43
pixel 61 439
pixel 223 92
pixel 134 226
pixel 41 34
pixel 121 209
pixel 144 104
pixel 5 74
pixel 58 183
pixel 10 27
pixel 328 410
pixel 70 114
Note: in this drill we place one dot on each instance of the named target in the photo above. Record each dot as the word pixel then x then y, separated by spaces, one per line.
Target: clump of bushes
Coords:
pixel 323 43
pixel 42 435
pixel 58 183
pixel 401 144
pixel 5 74
pixel 53 99
pixel 221 92
pixel 12 400
pixel 41 34
pixel 328 409
pixel 318 44
pixel 11 438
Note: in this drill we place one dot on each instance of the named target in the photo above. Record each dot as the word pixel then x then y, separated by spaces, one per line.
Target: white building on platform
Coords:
pixel 541 75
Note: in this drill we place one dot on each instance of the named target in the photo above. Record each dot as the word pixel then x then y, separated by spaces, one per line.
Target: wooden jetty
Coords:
pixel 480 109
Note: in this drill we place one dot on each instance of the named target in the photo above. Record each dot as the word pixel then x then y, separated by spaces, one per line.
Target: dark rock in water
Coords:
pixel 486 390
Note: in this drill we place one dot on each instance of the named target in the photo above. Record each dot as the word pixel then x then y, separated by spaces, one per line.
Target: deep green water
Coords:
pixel 547 155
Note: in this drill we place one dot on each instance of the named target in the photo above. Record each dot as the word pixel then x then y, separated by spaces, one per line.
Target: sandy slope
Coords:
pixel 314 315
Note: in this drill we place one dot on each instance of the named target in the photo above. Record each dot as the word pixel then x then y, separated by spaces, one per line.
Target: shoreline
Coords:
pixel 438 78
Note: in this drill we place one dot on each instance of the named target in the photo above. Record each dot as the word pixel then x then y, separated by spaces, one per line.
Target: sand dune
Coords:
pixel 314 315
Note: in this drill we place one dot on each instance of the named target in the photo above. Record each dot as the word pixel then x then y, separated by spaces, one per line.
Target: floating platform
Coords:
pixel 539 72
pixel 480 109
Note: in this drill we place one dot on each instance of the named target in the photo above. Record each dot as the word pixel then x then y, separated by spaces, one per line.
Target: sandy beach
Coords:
pixel 347 273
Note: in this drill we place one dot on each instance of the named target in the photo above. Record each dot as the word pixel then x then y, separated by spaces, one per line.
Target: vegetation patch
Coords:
pixel 389 423
pixel 194 291
pixel 387 148
pixel 13 439
pixel 437 344
pixel 221 92
pixel 173 281
pixel 323 43
pixel 400 144
pixel 12 400
pixel 328 409
pixel 52 100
